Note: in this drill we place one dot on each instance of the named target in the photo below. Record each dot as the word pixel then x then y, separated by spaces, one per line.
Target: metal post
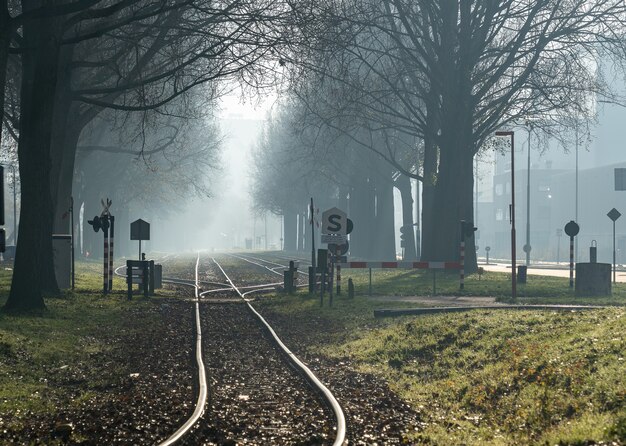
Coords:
pixel 312 234
pixel 571 262
pixel 129 279
pixel 512 213
pixel 614 252
pixel 106 259
pixel 576 203
pixel 527 245
pixel 513 251
pixel 370 281
pixel 146 278
pixel 322 287
pixel 434 282
pixel 14 206
pixel 112 229
pixel 72 241
pixel 151 277
pixel 338 279
pixel 330 281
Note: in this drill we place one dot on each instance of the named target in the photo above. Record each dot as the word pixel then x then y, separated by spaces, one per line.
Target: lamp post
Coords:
pixel 576 195
pixel 511 134
pixel 527 247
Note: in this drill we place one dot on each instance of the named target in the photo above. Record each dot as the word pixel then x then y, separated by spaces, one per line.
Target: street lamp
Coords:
pixel 527 247
pixel 511 134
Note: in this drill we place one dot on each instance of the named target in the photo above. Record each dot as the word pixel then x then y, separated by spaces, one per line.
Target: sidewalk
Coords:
pixel 561 270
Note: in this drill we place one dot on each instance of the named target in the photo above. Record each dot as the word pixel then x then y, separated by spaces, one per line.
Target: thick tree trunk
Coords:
pixel 5 39
pixel 403 183
pixel 39 70
pixel 65 133
pixel 362 209
pixel 384 235
pixel 290 221
pixel 453 203
pixel 429 224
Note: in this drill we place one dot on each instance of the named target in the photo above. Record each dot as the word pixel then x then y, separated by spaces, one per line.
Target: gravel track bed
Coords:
pixel 256 398
pixel 137 393
pixel 374 414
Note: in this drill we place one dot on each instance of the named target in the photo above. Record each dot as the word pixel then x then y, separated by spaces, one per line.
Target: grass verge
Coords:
pixel 56 359
pixel 482 377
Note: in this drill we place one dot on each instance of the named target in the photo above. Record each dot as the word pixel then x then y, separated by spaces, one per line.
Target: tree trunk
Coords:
pixel 384 239
pixel 65 133
pixel 362 208
pixel 290 221
pixel 5 40
pixel 429 224
pixel 403 183
pixel 39 80
pixel 453 203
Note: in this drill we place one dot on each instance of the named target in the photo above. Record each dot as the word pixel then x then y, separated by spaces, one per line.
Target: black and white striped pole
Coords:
pixel 105 275
pixel 571 229
pixel 111 236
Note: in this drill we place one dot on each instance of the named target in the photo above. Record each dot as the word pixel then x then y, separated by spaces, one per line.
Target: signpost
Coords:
pixel 335 227
pixel 106 222
pixel 140 230
pixel 334 221
pixel 614 214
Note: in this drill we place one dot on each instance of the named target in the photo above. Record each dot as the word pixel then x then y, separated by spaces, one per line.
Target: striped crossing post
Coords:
pixel 571 229
pixel 112 229
pixel 571 262
pixel 105 230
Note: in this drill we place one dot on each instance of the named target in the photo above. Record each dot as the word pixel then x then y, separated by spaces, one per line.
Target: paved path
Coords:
pixel 542 270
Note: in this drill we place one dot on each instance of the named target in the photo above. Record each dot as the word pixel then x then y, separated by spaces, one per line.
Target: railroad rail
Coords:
pixel 330 399
pixel 199 298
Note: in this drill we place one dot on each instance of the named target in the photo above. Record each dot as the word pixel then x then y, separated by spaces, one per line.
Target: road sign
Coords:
pixel 572 228
pixel 334 221
pixel 334 238
pixel 614 214
pixel 140 230
pixel 105 207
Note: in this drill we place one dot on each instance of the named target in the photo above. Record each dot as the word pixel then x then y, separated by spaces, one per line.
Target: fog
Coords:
pixel 226 220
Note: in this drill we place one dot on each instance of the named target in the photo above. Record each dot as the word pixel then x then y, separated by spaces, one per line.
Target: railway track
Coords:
pixel 260 392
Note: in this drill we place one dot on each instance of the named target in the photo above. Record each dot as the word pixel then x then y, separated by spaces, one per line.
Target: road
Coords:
pixel 542 270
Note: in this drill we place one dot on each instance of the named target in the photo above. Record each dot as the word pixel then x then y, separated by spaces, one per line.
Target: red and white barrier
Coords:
pixel 402 265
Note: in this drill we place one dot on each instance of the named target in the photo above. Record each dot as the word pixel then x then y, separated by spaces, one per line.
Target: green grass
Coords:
pixel 482 377
pixel 42 355
pixel 538 289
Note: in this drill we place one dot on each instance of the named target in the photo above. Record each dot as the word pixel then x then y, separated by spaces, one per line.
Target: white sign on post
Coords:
pixel 334 221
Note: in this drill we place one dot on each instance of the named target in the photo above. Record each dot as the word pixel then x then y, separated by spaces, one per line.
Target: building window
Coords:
pixel 499 189
pixel 499 214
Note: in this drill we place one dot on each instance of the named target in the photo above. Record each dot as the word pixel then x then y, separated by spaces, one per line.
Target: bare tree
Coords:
pixel 458 71
pixel 125 55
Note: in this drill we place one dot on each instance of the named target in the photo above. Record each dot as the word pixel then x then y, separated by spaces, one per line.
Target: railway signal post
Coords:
pixel 105 222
